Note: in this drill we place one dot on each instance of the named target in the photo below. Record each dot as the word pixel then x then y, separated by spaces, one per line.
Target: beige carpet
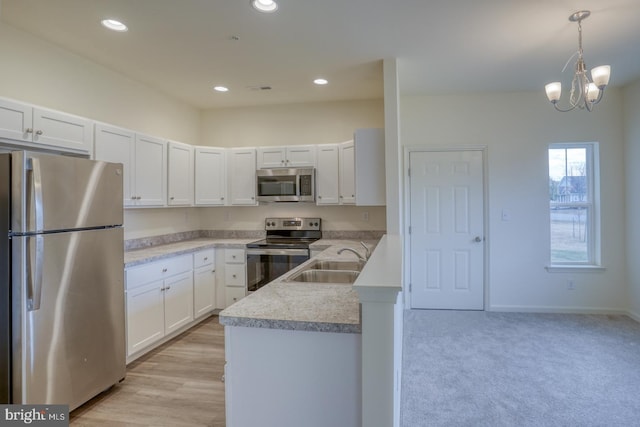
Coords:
pixel 515 369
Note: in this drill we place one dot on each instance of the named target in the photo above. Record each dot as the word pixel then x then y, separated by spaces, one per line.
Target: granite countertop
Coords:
pixel 153 253
pixel 320 307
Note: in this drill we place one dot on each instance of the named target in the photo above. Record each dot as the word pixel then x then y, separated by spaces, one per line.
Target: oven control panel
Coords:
pixel 292 224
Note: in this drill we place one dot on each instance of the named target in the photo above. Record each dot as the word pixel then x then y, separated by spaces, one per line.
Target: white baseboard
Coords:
pixel 559 309
pixel 634 315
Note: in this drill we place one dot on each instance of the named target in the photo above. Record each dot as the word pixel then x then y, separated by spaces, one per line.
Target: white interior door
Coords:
pixel 447 230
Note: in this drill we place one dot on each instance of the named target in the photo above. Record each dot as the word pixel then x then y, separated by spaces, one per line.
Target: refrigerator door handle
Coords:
pixel 37 194
pixel 34 284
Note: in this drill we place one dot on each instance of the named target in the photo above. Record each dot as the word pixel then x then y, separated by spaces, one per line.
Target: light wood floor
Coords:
pixel 178 384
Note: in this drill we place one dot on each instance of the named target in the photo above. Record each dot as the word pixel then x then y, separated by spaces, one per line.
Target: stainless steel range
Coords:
pixel 286 246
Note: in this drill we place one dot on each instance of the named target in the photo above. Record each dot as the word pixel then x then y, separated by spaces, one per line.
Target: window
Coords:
pixel 573 208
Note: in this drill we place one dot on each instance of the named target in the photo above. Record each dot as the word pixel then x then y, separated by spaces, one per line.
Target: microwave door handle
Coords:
pixel 298 192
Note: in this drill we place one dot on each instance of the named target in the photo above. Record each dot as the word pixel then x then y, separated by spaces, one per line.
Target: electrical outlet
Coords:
pixel 570 285
pixel 365 216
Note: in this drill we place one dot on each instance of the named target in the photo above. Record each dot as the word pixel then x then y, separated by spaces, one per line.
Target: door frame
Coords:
pixel 407 211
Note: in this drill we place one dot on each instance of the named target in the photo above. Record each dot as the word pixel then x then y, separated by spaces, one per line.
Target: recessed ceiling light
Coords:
pixel 221 89
pixel 114 25
pixel 321 81
pixel 266 6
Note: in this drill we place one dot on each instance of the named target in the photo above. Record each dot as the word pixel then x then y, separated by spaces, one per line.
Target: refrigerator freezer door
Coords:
pixel 63 193
pixel 70 346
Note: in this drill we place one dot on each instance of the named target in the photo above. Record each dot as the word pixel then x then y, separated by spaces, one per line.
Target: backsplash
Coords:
pixel 146 242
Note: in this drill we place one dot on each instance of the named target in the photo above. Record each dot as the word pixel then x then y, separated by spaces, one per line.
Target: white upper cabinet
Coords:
pixel 241 166
pixel 41 127
pixel 210 176
pixel 117 145
pixel 327 175
pixel 150 171
pixel 180 172
pixel 296 156
pixel 347 178
pixel 145 163
pixel 370 185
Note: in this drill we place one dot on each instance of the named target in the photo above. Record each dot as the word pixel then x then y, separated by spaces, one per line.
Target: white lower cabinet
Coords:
pixel 204 282
pixel 159 301
pixel 235 275
pixel 178 302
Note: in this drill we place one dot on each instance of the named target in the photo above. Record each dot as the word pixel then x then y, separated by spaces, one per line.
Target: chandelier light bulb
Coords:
pixel 600 76
pixel 592 92
pixel 554 90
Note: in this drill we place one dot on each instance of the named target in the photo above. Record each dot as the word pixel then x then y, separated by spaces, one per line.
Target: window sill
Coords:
pixel 575 268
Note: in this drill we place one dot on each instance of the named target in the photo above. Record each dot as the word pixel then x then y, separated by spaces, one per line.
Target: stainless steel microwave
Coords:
pixel 286 185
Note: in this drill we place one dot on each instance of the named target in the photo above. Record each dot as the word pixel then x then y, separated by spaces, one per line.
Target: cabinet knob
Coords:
pixel 171 198
pixel 38 132
pixel 206 258
pixel 221 198
pixel 319 197
pixel 213 271
pixel 164 270
pixel 234 276
pixel 28 130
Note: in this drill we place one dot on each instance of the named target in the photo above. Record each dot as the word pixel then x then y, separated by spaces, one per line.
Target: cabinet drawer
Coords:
pixel 234 255
pixel 158 270
pixel 202 258
pixel 234 275
pixel 234 295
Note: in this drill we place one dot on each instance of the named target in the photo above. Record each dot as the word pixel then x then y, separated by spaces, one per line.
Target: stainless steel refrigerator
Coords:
pixel 62 280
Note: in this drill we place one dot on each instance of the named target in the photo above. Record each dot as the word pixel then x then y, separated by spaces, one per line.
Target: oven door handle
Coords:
pixel 290 252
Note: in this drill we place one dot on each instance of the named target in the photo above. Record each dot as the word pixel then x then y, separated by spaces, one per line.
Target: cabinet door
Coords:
pixel 178 301
pixel 150 171
pixel 271 157
pixel 370 167
pixel 347 173
pixel 16 120
pixel 180 172
pixel 210 176
pixel 117 145
pixel 242 176
pixel 301 156
pixel 145 316
pixel 327 175
pixel 204 290
pixel 62 130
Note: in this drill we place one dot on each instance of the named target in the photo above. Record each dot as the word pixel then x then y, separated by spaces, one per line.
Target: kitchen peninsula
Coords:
pixel 293 352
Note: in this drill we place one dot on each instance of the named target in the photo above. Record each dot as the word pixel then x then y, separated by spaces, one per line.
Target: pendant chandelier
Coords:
pixel 584 93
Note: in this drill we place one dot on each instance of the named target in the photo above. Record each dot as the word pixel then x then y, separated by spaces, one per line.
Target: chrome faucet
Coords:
pixel 367 252
pixel 360 257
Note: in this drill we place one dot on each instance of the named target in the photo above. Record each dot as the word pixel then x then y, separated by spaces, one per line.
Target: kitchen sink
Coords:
pixel 324 276
pixel 337 265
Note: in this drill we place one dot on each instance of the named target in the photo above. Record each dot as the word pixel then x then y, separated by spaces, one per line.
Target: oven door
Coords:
pixel 266 264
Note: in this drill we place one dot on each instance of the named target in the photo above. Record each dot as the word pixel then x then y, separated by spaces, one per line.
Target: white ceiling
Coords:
pixel 184 47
